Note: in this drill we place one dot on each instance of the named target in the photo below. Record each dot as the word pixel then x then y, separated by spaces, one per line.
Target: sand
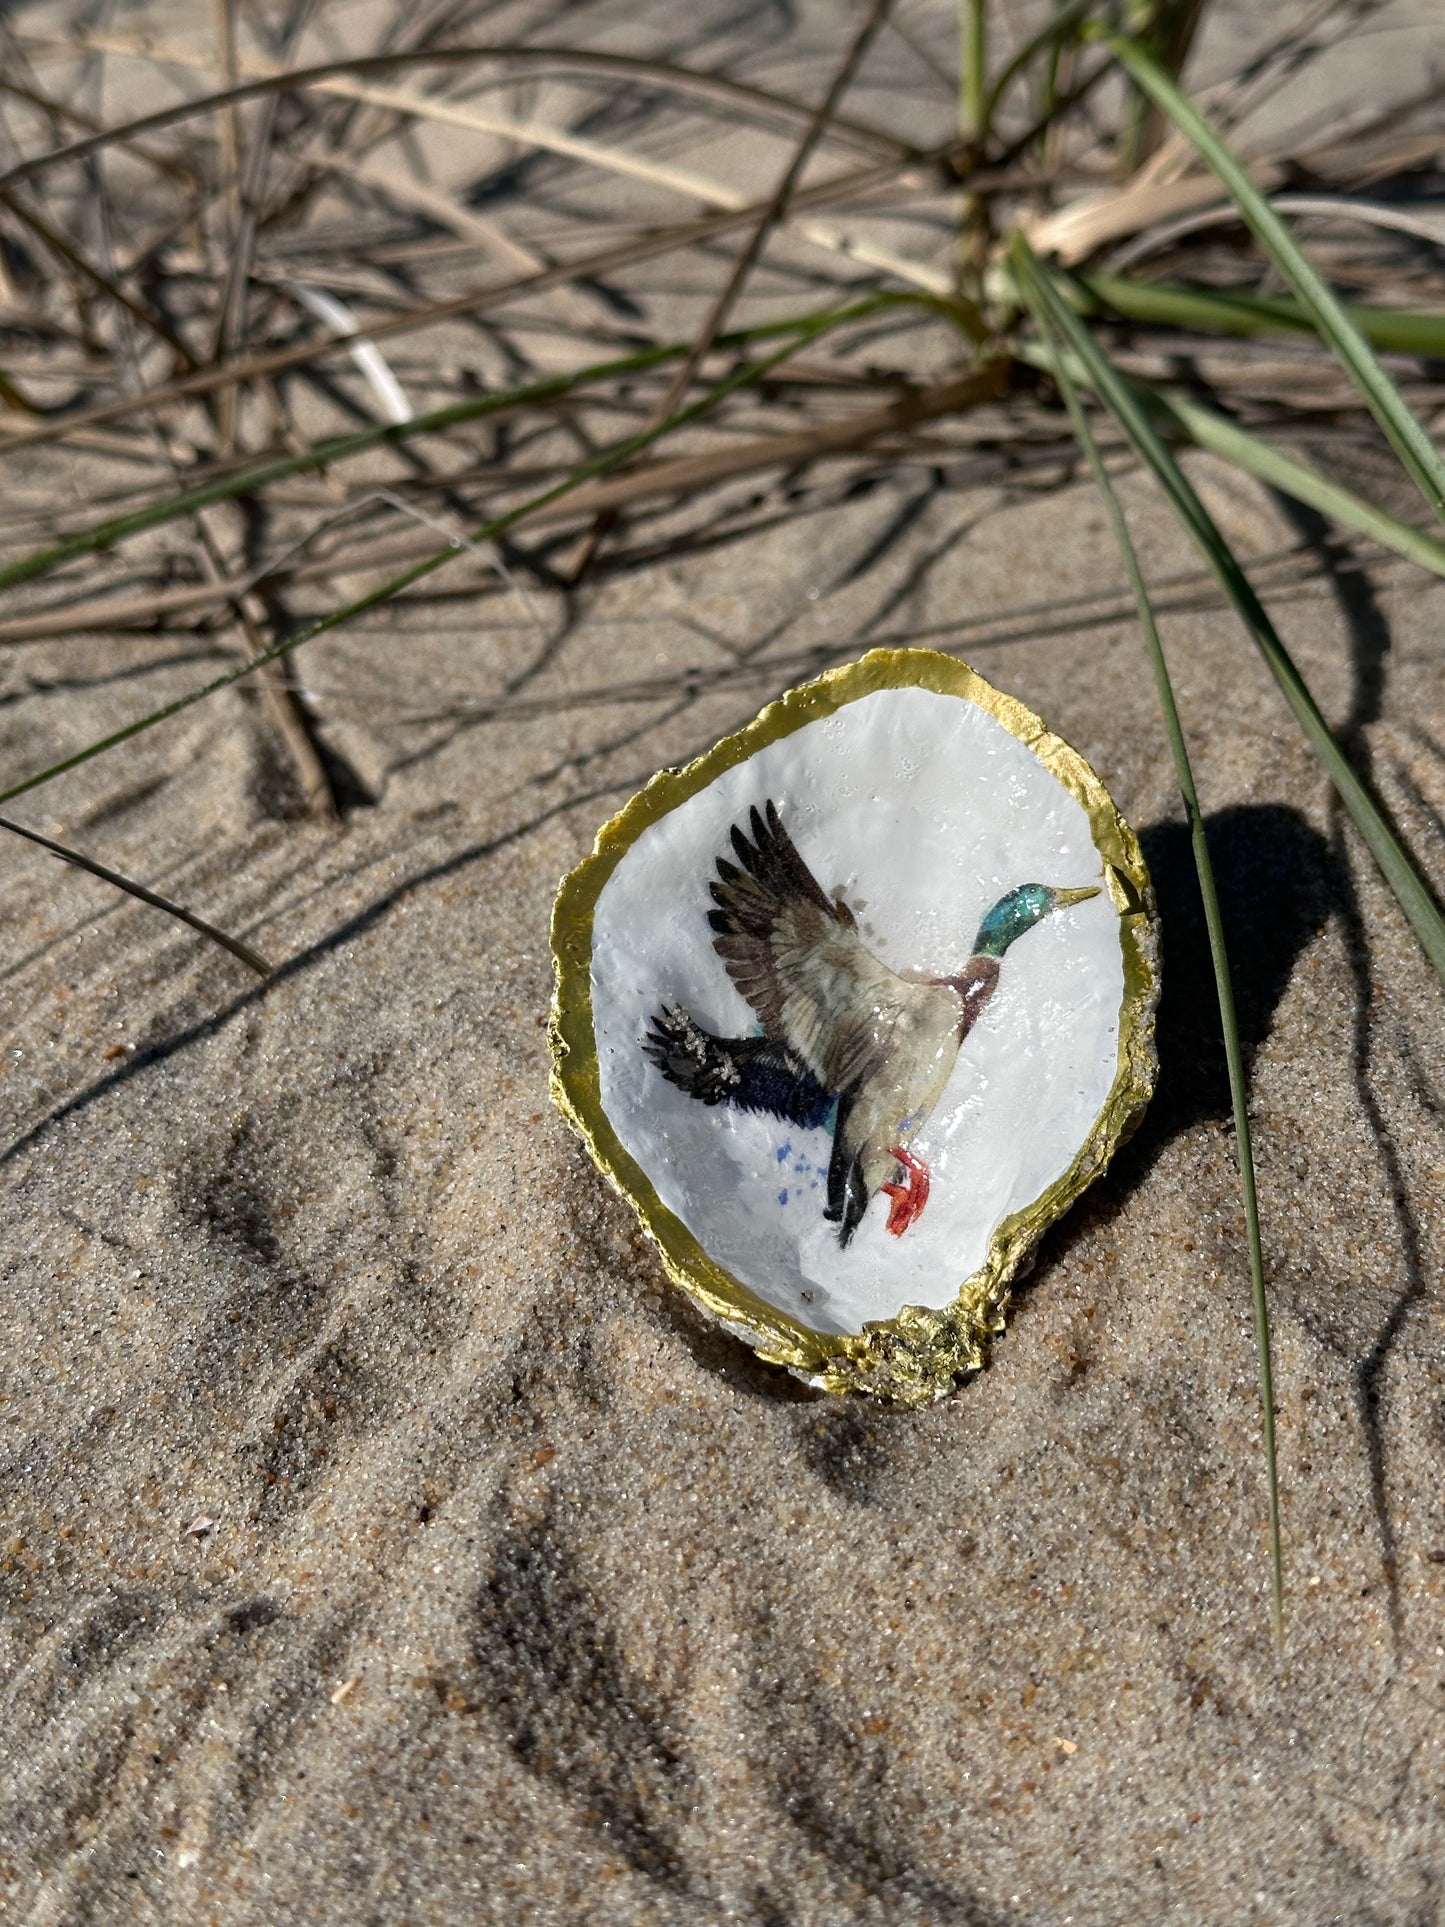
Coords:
pixel 383 1539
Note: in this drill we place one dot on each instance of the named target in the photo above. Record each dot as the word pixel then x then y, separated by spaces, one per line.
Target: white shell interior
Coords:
pixel 924 811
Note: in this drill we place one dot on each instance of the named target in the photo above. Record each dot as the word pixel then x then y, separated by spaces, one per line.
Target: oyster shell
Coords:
pixel 853 1007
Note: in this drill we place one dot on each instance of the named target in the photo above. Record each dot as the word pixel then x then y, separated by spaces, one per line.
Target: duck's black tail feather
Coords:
pixel 749 1073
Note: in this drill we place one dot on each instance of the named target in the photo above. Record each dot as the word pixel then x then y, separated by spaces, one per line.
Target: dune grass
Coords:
pixel 1052 320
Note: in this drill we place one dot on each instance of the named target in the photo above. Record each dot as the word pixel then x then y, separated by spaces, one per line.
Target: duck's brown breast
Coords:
pixel 974 985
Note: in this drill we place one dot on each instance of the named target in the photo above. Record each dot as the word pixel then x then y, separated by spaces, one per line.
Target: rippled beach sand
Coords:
pixel 382 1538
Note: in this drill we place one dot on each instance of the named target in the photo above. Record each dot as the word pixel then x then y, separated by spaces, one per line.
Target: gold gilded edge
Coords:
pixel 919 1355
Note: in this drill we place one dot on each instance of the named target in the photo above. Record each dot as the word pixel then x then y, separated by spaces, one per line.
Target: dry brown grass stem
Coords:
pixel 74 258
pixel 473 302
pixel 144 47
pixel 677 476
pixel 773 215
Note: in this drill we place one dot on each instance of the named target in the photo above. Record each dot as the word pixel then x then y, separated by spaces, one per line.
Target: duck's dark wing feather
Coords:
pixel 746 1073
pixel 796 955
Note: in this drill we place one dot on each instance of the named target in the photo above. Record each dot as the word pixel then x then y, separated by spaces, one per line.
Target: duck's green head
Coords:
pixel 1019 911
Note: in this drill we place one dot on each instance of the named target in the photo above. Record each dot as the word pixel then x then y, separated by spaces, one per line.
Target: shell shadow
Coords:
pixel 1278 880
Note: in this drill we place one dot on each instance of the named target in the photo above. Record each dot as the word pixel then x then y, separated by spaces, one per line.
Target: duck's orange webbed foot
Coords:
pixel 909 1197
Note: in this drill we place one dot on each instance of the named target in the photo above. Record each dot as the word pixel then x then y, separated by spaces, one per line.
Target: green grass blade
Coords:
pixel 1125 404
pixel 1270 465
pixel 338 448
pixel 609 458
pixel 1328 314
pixel 252 958
pixel 1279 471
pixel 1054 30
pixel 324 454
pixel 1401 330
pixel 1234 1054
pixel 973 96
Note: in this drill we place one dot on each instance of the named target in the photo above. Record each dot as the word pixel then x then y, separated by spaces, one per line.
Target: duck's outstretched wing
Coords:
pixel 797 957
pixel 747 1073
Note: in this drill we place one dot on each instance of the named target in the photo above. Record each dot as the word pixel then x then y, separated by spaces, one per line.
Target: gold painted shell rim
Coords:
pixel 919 1354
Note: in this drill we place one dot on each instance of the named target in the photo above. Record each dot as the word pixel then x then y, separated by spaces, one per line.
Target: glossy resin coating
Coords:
pixel 854 1006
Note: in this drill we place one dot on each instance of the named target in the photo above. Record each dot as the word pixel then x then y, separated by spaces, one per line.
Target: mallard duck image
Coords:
pixel 842 1033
